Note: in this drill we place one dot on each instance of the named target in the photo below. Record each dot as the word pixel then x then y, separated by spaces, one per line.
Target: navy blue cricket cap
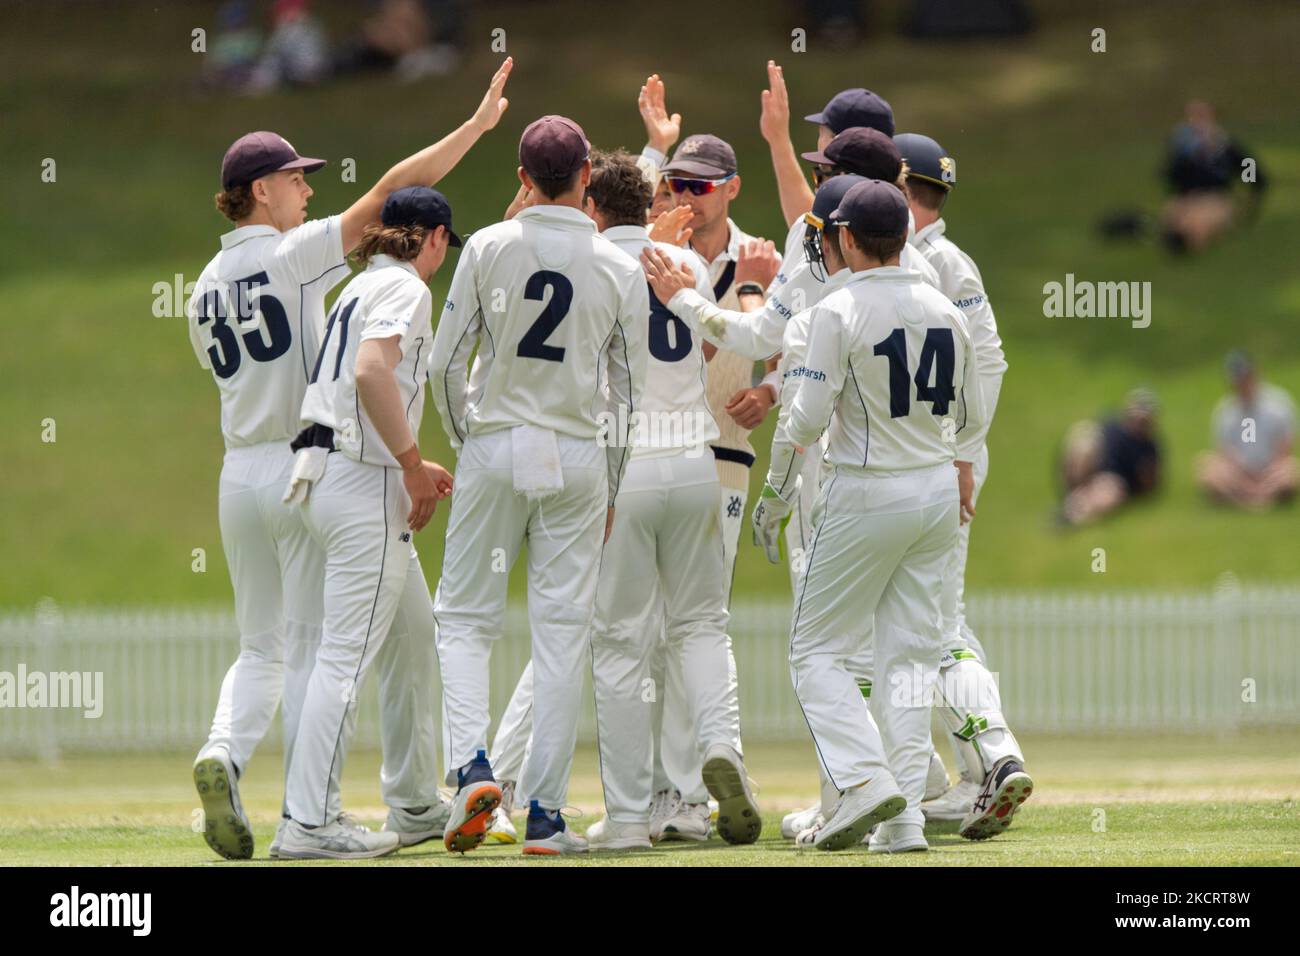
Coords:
pixel 701 155
pixel 873 208
pixel 553 147
pixel 259 154
pixel 862 151
pixel 419 206
pixel 855 107
pixel 927 160
pixel 829 195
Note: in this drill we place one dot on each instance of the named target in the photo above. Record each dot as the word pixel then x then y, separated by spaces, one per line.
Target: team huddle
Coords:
pixel 593 367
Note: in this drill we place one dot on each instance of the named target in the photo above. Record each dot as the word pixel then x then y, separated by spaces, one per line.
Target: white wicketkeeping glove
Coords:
pixel 771 515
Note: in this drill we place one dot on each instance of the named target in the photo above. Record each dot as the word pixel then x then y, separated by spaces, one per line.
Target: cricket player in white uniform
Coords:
pixel 664 559
pixel 890 357
pixel 555 312
pixel 703 174
pixel 366 490
pixel 255 320
pixel 993 781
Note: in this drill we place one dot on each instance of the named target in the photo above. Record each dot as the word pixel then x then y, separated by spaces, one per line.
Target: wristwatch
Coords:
pixel 749 288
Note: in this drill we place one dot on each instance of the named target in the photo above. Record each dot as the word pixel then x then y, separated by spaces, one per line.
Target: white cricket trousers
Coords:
pixel 679 758
pixel 879 548
pixel 488 525
pixel 664 562
pixel 970 702
pixel 357 514
pixel 276 572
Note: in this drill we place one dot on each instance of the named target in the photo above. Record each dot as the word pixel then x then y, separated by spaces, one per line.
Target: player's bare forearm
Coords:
pixel 791 184
pixel 430 164
pixel 379 395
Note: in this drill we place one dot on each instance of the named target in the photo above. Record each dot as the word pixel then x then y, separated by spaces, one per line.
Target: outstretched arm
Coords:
pixel 431 163
pixel 774 122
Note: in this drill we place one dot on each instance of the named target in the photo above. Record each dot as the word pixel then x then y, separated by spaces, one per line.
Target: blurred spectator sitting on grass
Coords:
pixel 230 62
pixel 1253 430
pixel 297 52
pixel 1104 464
pixel 1203 165
pixel 412 38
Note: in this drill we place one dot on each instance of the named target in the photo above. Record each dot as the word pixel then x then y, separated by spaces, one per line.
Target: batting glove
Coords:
pixel 771 515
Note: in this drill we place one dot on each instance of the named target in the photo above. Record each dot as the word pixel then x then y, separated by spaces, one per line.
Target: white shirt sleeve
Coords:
pixel 821 378
pixel 313 249
pixel 650 162
pixel 192 319
pixel 458 333
pixel 394 311
pixel 972 416
pixel 757 334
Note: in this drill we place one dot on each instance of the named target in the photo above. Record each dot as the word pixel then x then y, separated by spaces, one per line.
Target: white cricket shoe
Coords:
pixel 861 808
pixel 796 821
pixel 739 820
pixel 278 839
pixel 690 822
pixel 936 778
pixel 894 837
pixel 225 825
pixel 955 803
pixel 663 807
pixel 415 828
pixel 605 834
pixel 546 834
pixel 334 841
pixel 501 829
pixel 1005 788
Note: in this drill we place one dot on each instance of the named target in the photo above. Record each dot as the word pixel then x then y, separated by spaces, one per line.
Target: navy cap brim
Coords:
pixel 684 168
pixel 818 118
pixel 817 156
pixel 453 240
pixel 305 163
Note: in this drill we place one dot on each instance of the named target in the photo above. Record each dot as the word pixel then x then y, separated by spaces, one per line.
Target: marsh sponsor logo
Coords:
pixel 804 371
pixel 971 302
pixel 76 689
pixel 1101 300
pixel 74 909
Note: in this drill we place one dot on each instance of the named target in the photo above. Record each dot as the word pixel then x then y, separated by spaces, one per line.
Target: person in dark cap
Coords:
pixel 365 400
pixel 557 315
pixel 1253 463
pixel 890 365
pixel 931 177
pixel 847 109
pixel 256 319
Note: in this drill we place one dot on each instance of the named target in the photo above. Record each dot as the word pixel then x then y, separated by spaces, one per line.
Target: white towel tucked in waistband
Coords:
pixel 308 466
pixel 535 454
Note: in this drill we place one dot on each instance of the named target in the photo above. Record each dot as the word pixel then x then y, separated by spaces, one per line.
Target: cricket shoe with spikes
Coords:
pixel 861 808
pixel 807 837
pixel 936 778
pixel 547 835
pixel 955 803
pixel 739 820
pixel 477 795
pixel 1005 788
pixel 225 825
pixel 795 822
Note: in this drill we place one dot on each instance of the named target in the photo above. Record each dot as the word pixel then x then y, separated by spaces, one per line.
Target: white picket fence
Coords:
pixel 1067 663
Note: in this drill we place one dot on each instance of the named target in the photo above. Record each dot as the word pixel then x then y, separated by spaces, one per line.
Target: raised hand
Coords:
pixel 494 104
pixel 774 121
pixel 670 227
pixel 661 130
pixel 758 262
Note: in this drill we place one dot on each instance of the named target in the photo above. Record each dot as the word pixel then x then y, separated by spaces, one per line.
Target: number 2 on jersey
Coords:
pixel 533 344
pixel 937 360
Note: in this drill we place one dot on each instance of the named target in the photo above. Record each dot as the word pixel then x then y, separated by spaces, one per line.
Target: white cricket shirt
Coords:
pixel 255 320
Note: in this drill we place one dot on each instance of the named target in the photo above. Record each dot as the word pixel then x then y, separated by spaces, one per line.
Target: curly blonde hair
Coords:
pixel 401 242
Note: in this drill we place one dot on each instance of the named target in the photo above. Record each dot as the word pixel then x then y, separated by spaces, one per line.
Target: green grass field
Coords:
pixel 1140 801
pixel 1049 136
